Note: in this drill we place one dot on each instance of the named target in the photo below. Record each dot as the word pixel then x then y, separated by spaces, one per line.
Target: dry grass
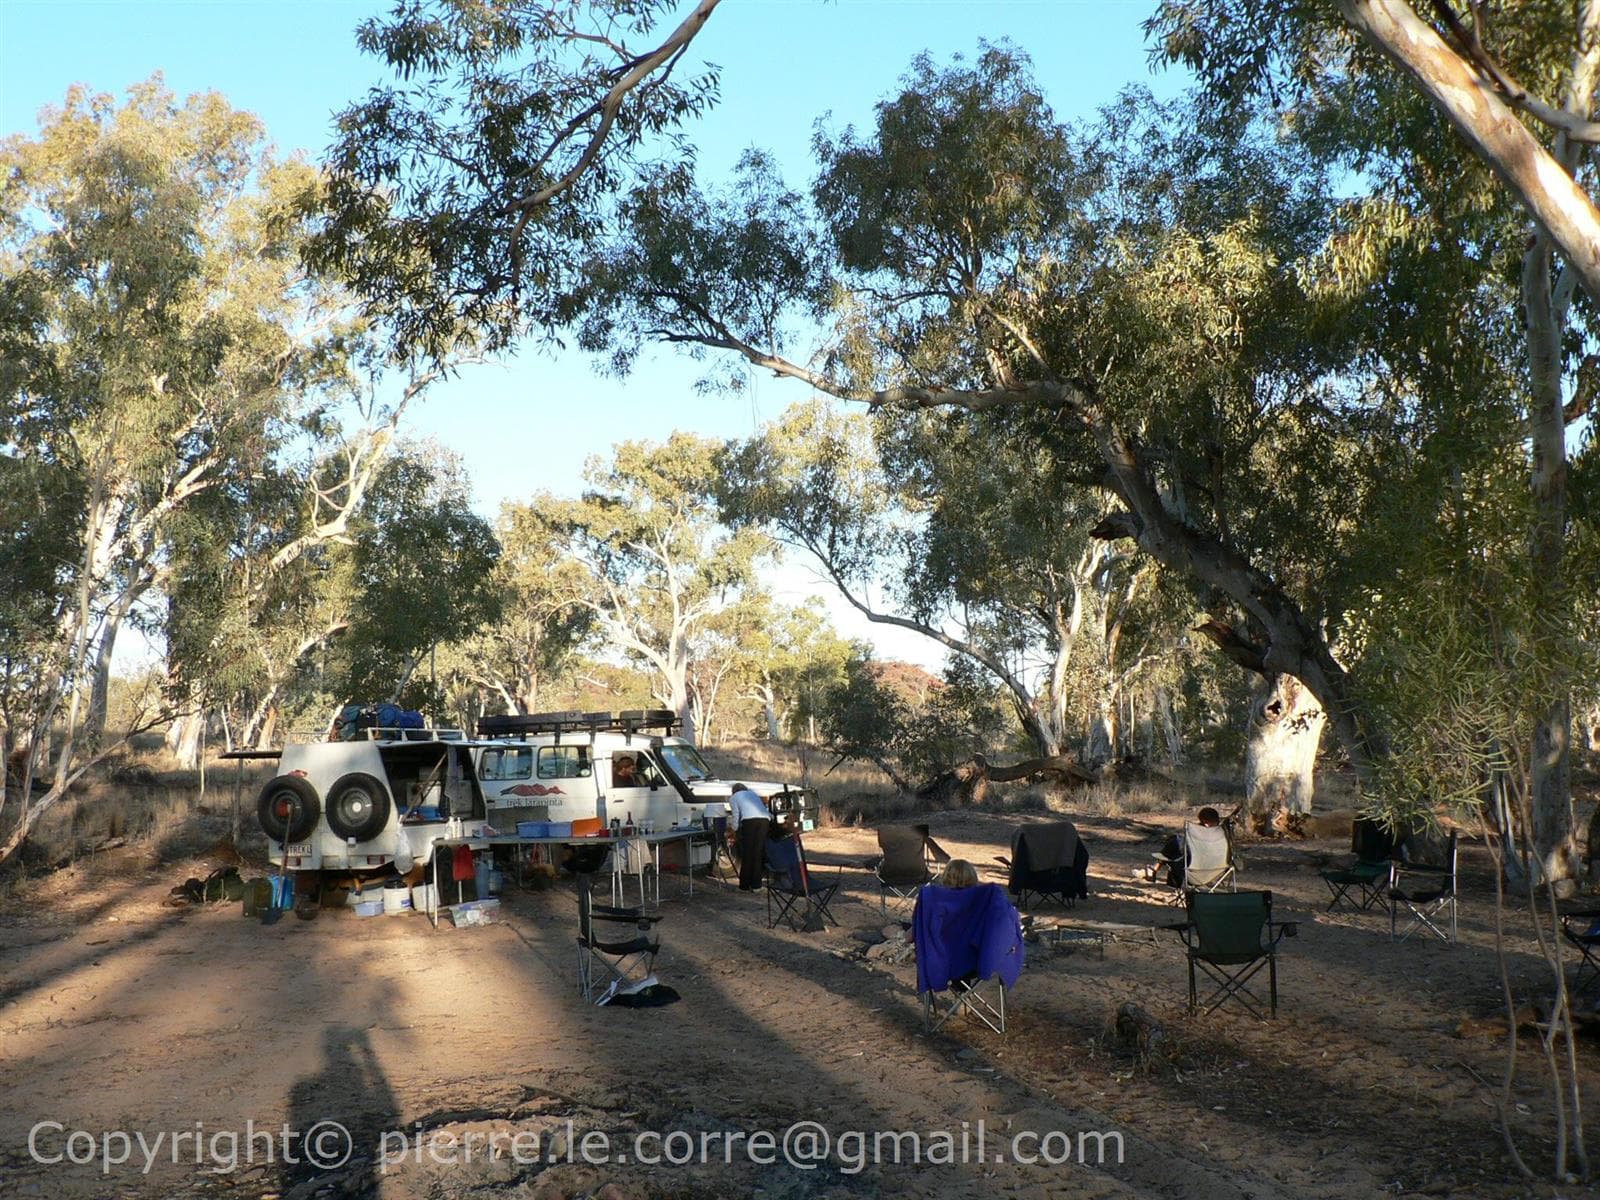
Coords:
pixel 148 801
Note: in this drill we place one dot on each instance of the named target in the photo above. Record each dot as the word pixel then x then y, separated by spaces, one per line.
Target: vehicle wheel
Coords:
pixel 358 807
pixel 288 809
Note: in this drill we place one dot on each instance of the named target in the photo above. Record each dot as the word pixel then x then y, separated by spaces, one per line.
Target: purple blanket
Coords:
pixel 965 931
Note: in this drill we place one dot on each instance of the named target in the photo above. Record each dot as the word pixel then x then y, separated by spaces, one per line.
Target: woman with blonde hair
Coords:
pixel 959 873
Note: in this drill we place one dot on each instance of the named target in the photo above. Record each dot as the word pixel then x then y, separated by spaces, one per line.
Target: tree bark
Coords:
pixel 1169 727
pixel 1280 761
pixel 1490 126
pixel 1294 645
pixel 183 738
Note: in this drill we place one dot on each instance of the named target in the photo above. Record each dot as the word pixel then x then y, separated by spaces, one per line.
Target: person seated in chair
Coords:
pixel 958 873
pixel 1172 849
pixel 623 772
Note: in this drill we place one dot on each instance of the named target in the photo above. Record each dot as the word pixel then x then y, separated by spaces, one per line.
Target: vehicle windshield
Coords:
pixel 686 763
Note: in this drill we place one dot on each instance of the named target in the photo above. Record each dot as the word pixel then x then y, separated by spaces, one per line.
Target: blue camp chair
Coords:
pixel 969 953
pixel 794 894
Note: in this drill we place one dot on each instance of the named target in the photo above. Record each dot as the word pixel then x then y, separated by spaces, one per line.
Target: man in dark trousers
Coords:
pixel 749 818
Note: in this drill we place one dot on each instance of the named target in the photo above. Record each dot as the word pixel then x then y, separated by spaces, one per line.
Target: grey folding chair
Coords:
pixel 1207 861
pixel 625 958
pixel 906 863
pixel 1426 894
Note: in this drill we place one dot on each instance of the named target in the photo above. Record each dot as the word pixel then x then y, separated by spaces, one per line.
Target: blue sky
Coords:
pixel 530 422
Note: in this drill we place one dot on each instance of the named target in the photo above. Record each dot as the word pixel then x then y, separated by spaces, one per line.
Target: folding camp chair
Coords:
pixel 1048 862
pixel 969 953
pixel 719 849
pixel 1373 845
pixel 1230 936
pixel 906 863
pixel 1426 898
pixel 1207 862
pixel 791 886
pixel 1582 929
pixel 626 959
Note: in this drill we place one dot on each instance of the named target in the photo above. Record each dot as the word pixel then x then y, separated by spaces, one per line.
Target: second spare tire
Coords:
pixel 358 806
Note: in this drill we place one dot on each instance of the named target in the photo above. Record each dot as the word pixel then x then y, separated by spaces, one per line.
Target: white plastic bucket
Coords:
pixel 396 899
pixel 424 897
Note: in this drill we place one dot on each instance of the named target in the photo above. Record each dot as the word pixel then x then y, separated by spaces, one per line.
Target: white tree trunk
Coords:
pixel 1280 762
pixel 183 738
pixel 1169 727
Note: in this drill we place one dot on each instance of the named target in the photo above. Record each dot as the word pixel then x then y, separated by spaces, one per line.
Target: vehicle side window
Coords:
pixel 563 762
pixel 506 763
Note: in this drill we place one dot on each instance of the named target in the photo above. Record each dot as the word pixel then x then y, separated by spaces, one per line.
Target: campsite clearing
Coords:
pixel 124 1016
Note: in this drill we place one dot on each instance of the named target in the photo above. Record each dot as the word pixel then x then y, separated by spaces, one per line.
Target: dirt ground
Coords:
pixel 121 1016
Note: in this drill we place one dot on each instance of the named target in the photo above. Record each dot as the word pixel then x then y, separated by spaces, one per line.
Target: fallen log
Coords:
pixel 969 781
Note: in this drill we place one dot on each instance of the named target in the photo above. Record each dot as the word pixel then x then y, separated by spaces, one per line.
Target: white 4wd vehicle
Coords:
pixel 383 801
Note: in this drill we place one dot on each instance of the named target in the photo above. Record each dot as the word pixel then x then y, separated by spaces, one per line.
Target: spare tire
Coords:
pixel 358 807
pixel 288 809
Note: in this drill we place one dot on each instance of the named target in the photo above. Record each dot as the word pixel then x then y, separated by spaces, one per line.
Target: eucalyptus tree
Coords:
pixel 165 346
pixel 543 621
pixel 422 571
pixel 1511 199
pixel 993 562
pixel 464 197
pixel 658 567
pixel 1134 301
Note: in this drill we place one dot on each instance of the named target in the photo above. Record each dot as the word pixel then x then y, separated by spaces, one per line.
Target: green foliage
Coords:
pixel 865 716
pixel 463 199
pixel 423 571
pixel 167 365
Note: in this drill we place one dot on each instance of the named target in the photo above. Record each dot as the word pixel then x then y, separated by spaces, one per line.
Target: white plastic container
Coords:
pixel 369 908
pixel 396 899
pixel 424 898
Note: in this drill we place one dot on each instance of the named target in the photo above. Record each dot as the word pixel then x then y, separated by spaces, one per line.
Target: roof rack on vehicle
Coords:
pixel 630 720
pixel 398 733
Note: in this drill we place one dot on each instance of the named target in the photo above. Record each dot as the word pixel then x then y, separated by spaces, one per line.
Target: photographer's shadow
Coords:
pixel 340 1115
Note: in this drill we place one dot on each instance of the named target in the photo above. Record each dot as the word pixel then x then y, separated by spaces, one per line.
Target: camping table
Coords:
pixel 654 841
pixel 685 833
pixel 477 843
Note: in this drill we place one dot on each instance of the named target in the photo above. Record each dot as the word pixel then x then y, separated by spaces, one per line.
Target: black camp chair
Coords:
pixel 1048 862
pixel 625 959
pixel 794 895
pixel 1582 929
pixel 907 862
pixel 1368 876
pixel 1426 892
pixel 1230 936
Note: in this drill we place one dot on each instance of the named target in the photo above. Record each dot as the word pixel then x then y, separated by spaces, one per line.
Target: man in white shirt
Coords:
pixel 750 819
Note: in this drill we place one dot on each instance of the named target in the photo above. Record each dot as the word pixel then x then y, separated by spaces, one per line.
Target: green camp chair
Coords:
pixel 1368 876
pixel 1230 936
